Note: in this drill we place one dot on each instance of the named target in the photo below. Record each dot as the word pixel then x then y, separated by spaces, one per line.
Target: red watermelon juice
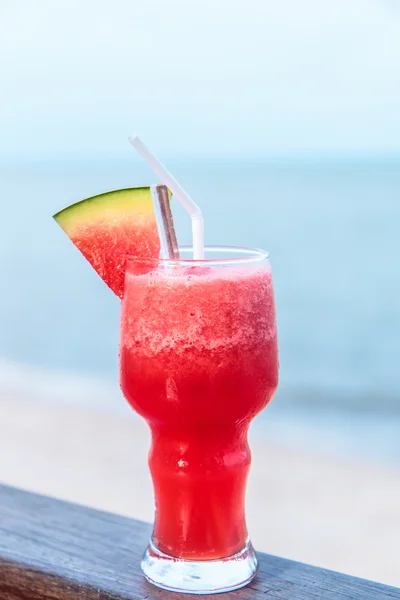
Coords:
pixel 198 361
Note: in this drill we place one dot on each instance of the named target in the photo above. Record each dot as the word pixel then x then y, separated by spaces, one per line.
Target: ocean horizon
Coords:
pixel 331 227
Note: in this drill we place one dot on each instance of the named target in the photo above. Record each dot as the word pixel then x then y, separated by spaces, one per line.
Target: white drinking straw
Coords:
pixel 177 190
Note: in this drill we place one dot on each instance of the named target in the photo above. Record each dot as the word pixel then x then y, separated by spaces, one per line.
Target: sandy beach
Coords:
pixel 315 508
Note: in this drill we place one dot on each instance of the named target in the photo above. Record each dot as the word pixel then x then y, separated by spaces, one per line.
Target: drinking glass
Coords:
pixel 199 360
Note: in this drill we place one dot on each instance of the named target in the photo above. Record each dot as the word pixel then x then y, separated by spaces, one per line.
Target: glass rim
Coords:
pixel 248 255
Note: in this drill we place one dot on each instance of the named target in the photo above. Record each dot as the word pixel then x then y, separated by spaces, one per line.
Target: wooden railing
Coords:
pixel 54 550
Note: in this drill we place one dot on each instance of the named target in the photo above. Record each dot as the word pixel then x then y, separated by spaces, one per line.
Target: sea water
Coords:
pixel 332 229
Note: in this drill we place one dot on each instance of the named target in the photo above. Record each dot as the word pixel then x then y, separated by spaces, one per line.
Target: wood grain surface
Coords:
pixel 54 550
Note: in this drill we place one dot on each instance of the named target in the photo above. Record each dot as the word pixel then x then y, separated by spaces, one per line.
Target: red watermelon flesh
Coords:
pixel 107 227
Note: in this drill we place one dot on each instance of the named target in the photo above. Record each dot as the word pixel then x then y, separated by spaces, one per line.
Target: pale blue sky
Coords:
pixel 206 77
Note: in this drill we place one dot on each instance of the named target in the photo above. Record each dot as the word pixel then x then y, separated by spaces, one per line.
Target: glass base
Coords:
pixel 200 576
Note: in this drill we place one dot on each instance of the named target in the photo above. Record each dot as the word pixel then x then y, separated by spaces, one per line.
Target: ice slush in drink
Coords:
pixel 198 361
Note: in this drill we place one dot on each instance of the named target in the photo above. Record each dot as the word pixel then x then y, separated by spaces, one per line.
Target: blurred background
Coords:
pixel 281 119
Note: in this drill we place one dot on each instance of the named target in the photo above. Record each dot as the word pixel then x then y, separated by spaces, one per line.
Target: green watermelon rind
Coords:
pixel 113 201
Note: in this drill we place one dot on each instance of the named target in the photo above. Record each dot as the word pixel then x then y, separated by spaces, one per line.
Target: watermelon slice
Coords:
pixel 107 227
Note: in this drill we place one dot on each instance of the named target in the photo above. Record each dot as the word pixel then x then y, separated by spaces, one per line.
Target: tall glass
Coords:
pixel 199 359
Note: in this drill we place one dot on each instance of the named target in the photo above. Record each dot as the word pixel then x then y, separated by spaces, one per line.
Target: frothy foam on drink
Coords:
pixel 199 309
